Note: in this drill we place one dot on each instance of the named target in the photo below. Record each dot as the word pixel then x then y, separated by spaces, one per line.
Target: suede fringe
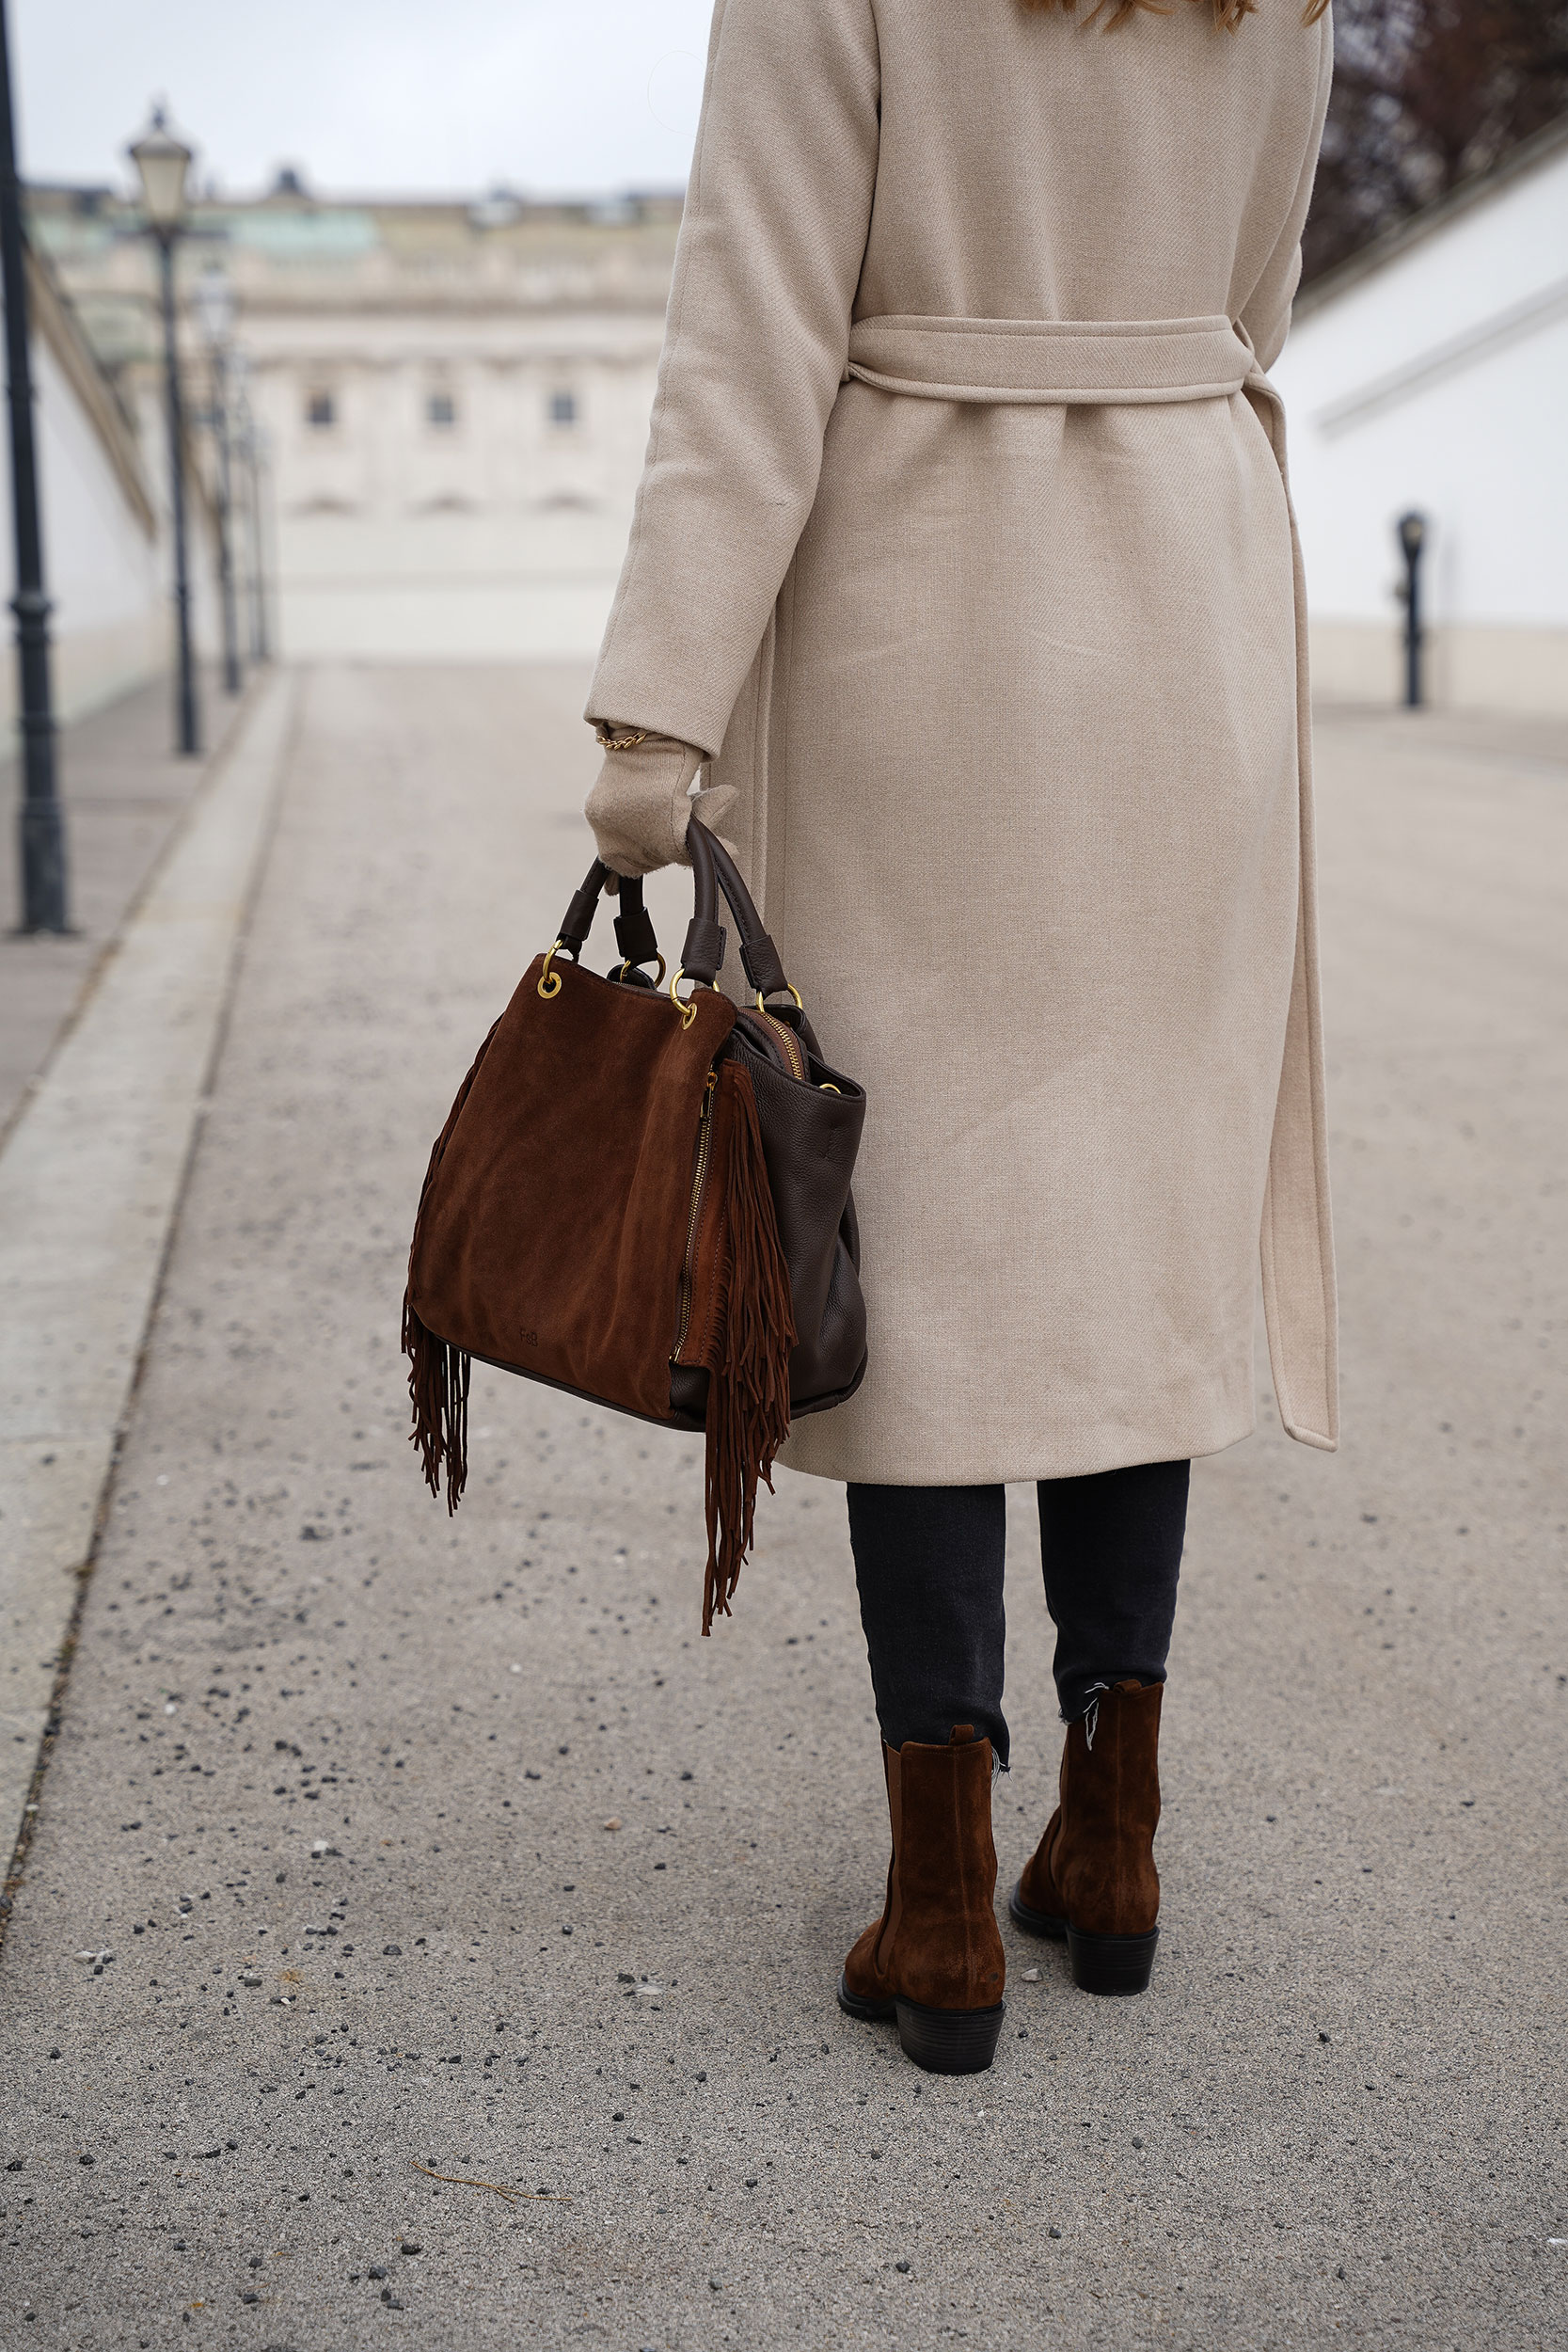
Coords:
pixel 438 1387
pixel 748 1398
pixel 438 1372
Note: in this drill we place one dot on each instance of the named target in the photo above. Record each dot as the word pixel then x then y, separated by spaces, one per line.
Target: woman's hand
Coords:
pixel 642 802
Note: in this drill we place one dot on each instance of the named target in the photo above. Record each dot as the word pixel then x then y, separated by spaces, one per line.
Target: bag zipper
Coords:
pixel 699 1181
pixel 793 1053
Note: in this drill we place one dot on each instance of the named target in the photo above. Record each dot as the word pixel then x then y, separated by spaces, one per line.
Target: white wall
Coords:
pixel 1436 380
pixel 110 622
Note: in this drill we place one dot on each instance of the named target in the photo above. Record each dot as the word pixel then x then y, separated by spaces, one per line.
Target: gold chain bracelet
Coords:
pixel 614 742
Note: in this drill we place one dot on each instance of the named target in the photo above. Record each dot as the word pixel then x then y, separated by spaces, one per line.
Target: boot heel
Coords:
pixel 1111 1963
pixel 950 2041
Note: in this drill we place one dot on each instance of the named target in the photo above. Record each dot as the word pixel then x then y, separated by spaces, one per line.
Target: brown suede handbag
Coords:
pixel 644 1200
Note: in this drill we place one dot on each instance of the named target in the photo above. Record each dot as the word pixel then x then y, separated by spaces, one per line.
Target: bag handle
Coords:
pixel 634 928
pixel 713 870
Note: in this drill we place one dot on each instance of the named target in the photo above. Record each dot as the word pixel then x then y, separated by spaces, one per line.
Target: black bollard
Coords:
pixel 1411 532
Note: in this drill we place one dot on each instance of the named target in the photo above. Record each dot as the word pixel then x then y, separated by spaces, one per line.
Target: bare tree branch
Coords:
pixel 1427 93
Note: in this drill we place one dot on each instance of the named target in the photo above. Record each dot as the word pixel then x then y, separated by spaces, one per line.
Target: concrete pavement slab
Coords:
pixel 90 1176
pixel 376 1848
pixel 124 792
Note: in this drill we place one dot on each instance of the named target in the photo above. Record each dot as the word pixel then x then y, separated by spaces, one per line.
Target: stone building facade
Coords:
pixel 452 399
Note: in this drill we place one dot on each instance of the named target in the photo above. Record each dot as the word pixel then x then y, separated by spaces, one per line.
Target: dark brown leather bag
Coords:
pixel 644 1200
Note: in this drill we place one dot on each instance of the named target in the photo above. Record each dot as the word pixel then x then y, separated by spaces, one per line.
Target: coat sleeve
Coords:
pixel 1266 312
pixel 767 268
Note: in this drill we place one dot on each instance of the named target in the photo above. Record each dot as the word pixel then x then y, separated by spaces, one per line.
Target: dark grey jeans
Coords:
pixel 930 1560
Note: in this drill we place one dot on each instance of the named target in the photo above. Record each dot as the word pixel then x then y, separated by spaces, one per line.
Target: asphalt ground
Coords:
pixel 594 1969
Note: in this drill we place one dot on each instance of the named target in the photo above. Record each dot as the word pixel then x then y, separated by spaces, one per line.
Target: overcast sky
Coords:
pixel 368 96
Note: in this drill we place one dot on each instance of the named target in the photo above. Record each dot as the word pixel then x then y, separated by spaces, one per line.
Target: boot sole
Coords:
pixel 941 2041
pixel 863 2004
pixel 1099 1963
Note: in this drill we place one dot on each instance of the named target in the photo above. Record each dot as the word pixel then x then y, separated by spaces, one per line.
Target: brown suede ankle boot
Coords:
pixel 934 1959
pixel 1092 1876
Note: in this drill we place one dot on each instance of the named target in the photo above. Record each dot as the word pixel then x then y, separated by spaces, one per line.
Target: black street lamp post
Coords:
pixel 256 446
pixel 42 826
pixel 1411 528
pixel 214 303
pixel 162 162
pixel 266 538
pixel 244 443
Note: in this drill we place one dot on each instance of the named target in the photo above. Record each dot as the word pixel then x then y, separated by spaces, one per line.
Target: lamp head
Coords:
pixel 1412 532
pixel 161 163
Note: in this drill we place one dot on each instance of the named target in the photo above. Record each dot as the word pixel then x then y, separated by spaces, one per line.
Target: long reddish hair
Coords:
pixel 1227 14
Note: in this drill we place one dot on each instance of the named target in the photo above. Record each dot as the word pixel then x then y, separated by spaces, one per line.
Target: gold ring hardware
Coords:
pixel 688 1009
pixel 826 1089
pixel 800 1005
pixel 663 967
pixel 549 982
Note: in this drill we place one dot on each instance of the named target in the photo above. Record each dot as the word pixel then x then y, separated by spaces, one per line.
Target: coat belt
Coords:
pixel 1119 362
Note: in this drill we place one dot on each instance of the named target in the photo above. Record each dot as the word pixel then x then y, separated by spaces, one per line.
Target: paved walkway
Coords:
pixel 594 1967
pixel 124 792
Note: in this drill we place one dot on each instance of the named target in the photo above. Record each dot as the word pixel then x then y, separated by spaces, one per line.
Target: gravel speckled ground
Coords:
pixel 373 1843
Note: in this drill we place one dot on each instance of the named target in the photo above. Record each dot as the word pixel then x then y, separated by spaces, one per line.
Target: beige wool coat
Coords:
pixel 964 549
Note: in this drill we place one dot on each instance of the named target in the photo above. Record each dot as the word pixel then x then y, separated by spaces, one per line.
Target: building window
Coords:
pixel 321 412
pixel 440 410
pixel 563 408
